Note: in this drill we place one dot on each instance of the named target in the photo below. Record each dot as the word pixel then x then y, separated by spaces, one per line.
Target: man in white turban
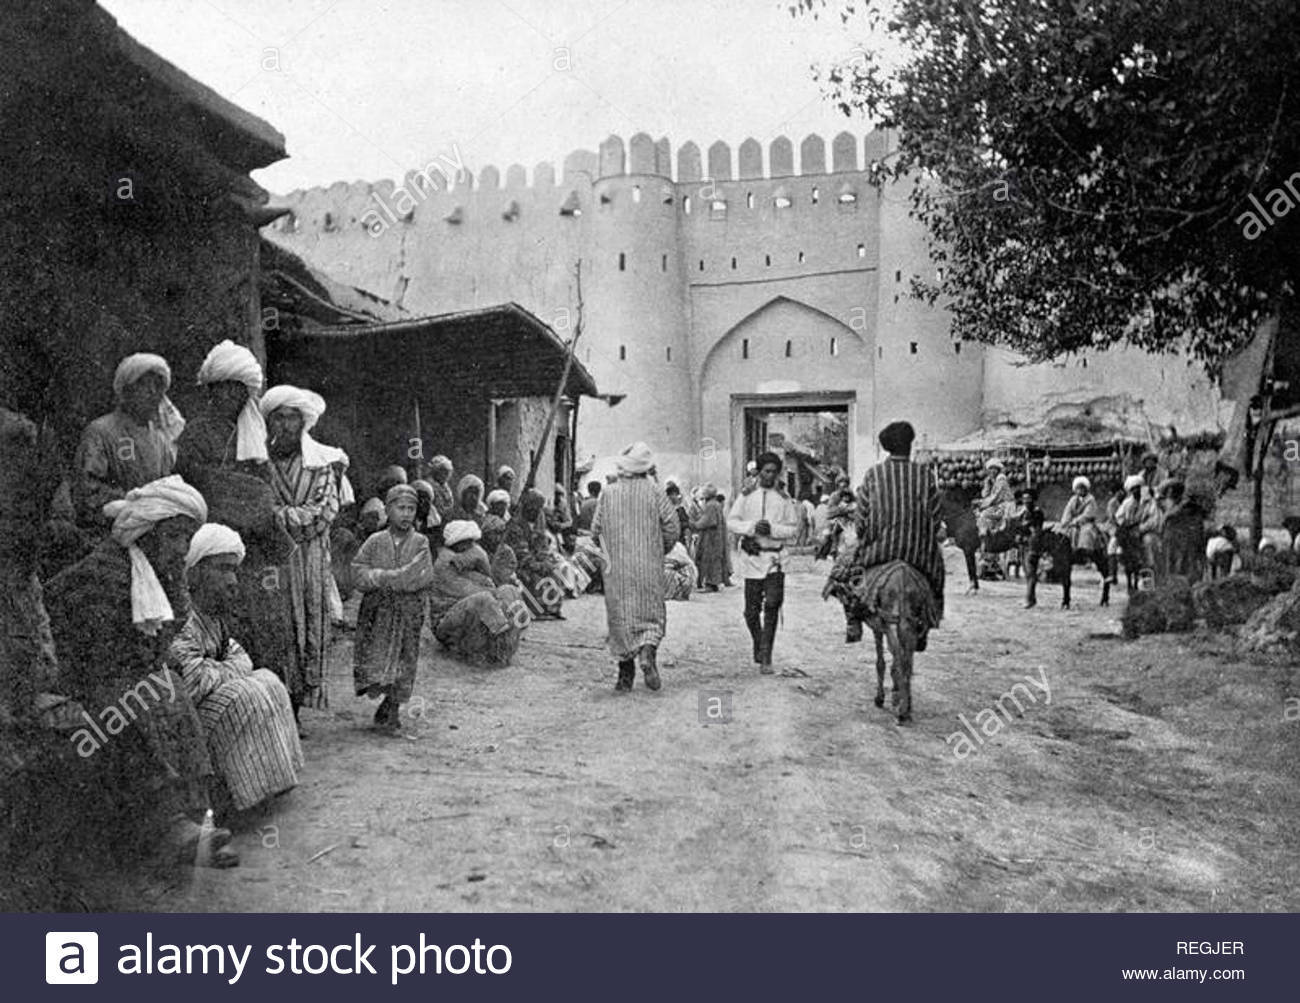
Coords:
pixel 1080 517
pixel 222 452
pixel 1137 520
pixel 307 480
pixel 469 613
pixel 233 378
pixel 112 619
pixel 246 714
pixel 635 526
pixel 133 444
pixel 506 480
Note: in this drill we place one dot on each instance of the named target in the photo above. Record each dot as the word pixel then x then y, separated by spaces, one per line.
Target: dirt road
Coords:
pixel 1154 775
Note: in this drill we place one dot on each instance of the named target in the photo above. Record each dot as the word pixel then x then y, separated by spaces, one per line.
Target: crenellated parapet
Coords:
pixel 448 190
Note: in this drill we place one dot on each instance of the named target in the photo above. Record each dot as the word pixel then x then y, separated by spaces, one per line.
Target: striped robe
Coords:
pixel 898 516
pixel 636 526
pixel 307 501
pixel 246 716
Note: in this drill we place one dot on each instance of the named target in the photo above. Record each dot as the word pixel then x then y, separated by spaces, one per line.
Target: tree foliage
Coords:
pixel 1085 167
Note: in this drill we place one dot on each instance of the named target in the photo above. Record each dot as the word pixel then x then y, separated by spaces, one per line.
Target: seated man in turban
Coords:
pixel 469 501
pixel 130 446
pixel 539 570
pixel 471 614
pixel 309 485
pixel 898 516
pixel 505 565
pixel 112 620
pixel 440 471
pixel 246 715
pixel 506 481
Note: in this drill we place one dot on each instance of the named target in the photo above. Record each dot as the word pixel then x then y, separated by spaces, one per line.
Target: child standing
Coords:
pixel 393 569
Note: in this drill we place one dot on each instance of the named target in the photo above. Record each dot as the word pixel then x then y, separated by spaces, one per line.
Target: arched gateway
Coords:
pixel 785 359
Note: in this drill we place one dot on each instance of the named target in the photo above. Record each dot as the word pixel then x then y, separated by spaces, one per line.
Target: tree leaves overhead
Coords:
pixel 1084 167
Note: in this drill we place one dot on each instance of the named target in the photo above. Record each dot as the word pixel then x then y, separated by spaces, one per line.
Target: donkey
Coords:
pixel 1064 556
pixel 963 530
pixel 894 600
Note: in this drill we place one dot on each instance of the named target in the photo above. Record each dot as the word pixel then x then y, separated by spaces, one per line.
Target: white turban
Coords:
pixel 311 406
pixel 993 464
pixel 131 369
pixel 635 459
pixel 460 529
pixel 1133 481
pixel 210 540
pixel 498 495
pixel 505 470
pixel 235 363
pixel 1265 545
pixel 1081 481
pixel 133 517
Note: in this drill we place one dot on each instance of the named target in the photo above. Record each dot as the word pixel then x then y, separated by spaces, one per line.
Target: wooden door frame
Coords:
pixel 819 399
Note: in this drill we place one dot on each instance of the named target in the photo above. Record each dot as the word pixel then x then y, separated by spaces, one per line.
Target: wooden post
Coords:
pixel 1263 438
pixel 256 336
pixel 419 438
pixel 559 391
pixel 490 446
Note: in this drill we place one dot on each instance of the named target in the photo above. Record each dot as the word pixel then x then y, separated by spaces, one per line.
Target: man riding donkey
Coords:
pixel 991 510
pixel 898 516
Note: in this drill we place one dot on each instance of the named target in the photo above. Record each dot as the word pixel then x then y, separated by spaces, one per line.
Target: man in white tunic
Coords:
pixel 763 517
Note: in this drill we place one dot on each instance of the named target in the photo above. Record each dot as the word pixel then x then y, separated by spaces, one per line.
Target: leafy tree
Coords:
pixel 1086 168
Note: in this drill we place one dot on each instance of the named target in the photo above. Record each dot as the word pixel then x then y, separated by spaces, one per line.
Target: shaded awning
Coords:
pixel 494 352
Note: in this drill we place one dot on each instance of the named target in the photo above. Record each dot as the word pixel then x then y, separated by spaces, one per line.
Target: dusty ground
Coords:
pixel 1161 776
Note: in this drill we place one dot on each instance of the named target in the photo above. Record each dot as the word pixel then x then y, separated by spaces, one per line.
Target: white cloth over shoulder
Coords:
pixel 230 362
pixel 133 517
pixel 311 406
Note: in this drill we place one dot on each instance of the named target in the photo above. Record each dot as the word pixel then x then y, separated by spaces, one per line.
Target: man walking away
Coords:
pixel 635 526
pixel 764 518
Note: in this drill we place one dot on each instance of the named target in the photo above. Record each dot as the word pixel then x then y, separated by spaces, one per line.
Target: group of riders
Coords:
pixel 1150 527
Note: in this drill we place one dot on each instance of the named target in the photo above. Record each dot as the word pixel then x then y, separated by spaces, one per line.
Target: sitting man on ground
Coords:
pixel 246 714
pixel 112 621
pixel 898 516
pixel 470 614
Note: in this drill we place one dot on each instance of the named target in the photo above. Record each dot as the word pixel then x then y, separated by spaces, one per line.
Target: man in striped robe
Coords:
pixel 246 715
pixel 898 516
pixel 635 526
pixel 308 482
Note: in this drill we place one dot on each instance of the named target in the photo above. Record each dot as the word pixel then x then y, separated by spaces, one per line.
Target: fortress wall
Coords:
pixel 639 342
pixel 804 227
pixel 922 375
